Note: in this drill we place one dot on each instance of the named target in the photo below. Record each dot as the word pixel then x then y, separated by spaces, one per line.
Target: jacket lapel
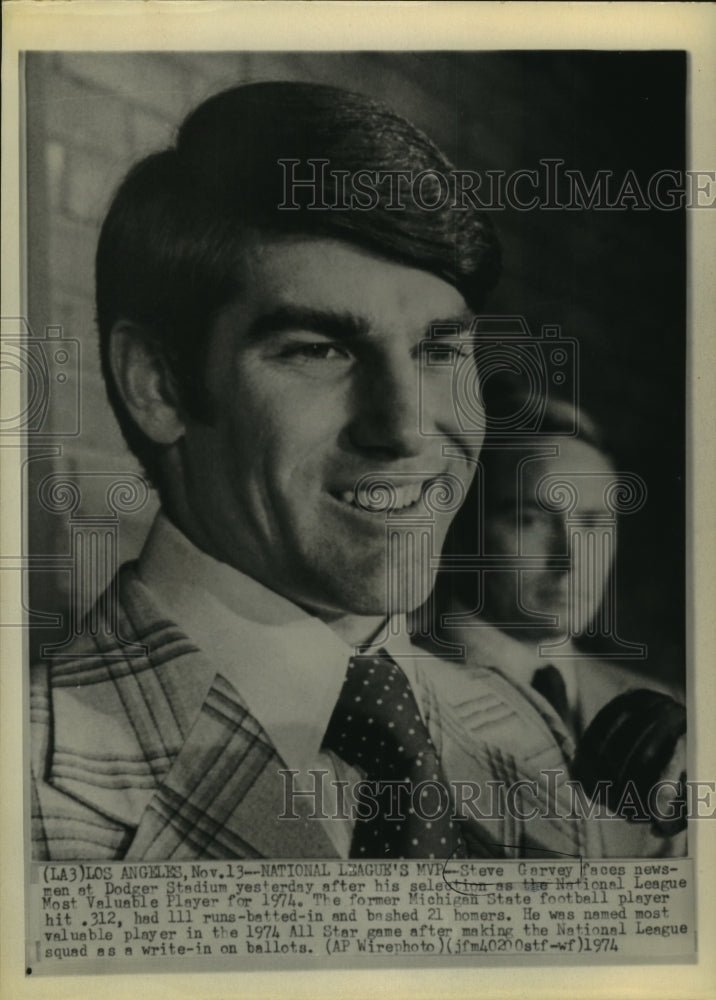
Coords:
pixel 120 722
pixel 224 795
pixel 158 742
pixel 491 735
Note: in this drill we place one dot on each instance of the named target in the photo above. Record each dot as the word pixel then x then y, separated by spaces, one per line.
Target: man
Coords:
pixel 261 336
pixel 545 525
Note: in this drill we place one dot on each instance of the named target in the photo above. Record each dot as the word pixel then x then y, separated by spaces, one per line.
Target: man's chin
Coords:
pixel 381 594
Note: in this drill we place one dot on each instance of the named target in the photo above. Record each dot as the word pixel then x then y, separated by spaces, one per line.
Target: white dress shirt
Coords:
pixel 287 665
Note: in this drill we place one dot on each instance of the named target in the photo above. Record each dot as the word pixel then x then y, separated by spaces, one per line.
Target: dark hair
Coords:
pixel 505 397
pixel 557 416
pixel 169 247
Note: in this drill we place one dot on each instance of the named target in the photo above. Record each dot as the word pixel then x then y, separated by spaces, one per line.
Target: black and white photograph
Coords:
pixel 354 444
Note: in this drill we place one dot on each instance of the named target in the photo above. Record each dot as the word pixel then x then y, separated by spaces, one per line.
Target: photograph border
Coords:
pixel 181 24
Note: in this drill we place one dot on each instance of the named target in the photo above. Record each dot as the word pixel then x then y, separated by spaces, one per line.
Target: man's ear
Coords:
pixel 144 383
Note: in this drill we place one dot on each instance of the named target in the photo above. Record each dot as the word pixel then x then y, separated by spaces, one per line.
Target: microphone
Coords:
pixel 634 742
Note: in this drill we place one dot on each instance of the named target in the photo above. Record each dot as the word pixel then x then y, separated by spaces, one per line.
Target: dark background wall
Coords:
pixel 614 280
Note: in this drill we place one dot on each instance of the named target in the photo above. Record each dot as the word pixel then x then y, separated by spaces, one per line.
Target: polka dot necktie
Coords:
pixel 376 726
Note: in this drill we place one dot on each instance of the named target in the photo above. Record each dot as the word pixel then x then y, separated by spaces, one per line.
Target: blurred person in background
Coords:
pixel 537 516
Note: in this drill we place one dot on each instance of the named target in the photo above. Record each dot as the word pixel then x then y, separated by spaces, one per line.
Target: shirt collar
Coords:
pixel 287 666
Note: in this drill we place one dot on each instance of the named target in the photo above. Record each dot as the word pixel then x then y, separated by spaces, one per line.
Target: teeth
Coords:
pixel 381 498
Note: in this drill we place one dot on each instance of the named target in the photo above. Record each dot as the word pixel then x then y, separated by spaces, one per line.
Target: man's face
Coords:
pixel 516 524
pixel 313 374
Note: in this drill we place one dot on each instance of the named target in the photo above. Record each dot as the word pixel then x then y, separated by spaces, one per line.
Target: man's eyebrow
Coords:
pixel 341 325
pixel 337 325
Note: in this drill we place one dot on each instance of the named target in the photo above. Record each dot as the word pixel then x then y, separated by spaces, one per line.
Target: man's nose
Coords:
pixel 386 418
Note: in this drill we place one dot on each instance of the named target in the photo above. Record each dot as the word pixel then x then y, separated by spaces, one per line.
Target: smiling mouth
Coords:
pixel 382 496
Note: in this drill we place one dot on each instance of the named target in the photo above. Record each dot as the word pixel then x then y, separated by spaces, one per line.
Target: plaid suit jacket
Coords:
pixel 142 751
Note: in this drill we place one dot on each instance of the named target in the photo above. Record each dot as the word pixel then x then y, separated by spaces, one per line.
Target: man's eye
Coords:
pixel 314 351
